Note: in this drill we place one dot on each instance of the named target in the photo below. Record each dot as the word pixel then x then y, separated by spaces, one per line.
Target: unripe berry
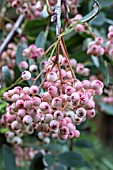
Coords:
pixel 99 40
pixel 57 102
pixel 17 140
pixel 9 134
pixel 46 140
pixel 15 97
pixel 27 120
pixel 73 62
pixel 48 118
pixel 78 85
pixel 28 104
pixel 26 90
pixel 44 106
pixel 71 126
pixel 32 48
pixel 40 51
pixel 46 97
pixel 75 97
pixel 34 89
pixel 36 101
pixel 71 134
pixel 63 137
pixel 70 114
pixel 52 77
pixel 8 27
pixel 69 90
pixel 64 130
pixel 26 75
pixel 20 104
pixel 110 29
pixel 33 68
pixel 53 91
pixel 58 115
pixel 21 113
pixel 26 53
pixel 24 65
pixel 15 125
pixel 54 124
pixel 91 113
pixel 96 84
pixel 81 112
pixel 77 133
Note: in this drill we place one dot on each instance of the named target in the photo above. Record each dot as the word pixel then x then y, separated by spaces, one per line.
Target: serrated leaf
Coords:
pixel 40 41
pixel 6 74
pixel 71 159
pixel 84 143
pixel 37 162
pixel 9 158
pixel 19 57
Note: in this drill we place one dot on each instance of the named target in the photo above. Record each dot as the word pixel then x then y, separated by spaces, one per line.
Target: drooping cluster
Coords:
pixel 30 8
pixel 64 104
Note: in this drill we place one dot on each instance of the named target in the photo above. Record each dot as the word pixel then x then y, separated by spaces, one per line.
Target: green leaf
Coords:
pixel 40 41
pixel 84 143
pixel 19 57
pixel 95 61
pixel 105 4
pixel 99 21
pixel 104 69
pixel 59 167
pixel 49 159
pixel 6 75
pixel 107 163
pixel 107 108
pixel 92 14
pixel 109 60
pixel 8 157
pixel 37 162
pixel 71 159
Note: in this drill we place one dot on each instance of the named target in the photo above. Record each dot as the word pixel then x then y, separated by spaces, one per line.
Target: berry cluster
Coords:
pixel 72 5
pixel 96 47
pixel 99 46
pixel 9 57
pixel 33 52
pixel 31 8
pixel 65 103
pixel 22 154
pixel 108 100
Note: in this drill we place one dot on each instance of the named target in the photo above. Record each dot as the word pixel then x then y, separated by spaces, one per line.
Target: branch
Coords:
pixel 58 15
pixel 11 34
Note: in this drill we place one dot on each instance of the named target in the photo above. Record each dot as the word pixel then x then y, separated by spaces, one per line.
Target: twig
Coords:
pixel 64 50
pixel 11 34
pixel 46 76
